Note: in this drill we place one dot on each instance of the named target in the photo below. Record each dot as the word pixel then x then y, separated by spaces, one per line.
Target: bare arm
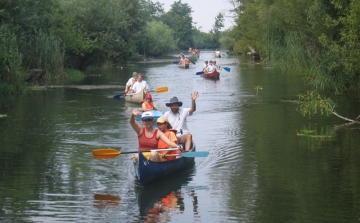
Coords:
pixel 135 125
pixel 143 106
pixel 193 104
pixel 162 136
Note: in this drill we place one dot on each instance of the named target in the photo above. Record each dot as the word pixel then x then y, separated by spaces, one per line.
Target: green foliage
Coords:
pixel 316 39
pixel 10 62
pixel 227 42
pixel 47 53
pixel 111 29
pixel 159 39
pixel 180 21
pixel 200 40
pixel 74 75
pixel 152 10
pixel 311 103
pixel 74 35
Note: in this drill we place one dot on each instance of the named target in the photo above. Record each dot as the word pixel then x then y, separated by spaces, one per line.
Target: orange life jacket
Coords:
pixel 147 105
pixel 170 134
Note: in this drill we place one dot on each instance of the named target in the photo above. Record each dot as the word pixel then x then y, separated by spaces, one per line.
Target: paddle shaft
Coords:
pixel 202 72
pixel 157 90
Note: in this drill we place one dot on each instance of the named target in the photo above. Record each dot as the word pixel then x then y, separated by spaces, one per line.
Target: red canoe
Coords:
pixel 213 75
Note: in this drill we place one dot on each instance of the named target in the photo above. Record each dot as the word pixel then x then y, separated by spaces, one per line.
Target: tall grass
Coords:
pixel 10 62
pixel 48 53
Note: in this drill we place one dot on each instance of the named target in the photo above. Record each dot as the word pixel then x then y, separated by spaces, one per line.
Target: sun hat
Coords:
pixel 148 96
pixel 162 119
pixel 147 116
pixel 135 74
pixel 174 100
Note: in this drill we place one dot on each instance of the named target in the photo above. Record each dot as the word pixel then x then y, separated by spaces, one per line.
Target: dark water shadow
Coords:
pixel 163 196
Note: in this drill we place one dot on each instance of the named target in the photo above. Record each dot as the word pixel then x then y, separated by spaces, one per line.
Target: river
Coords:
pixel 267 163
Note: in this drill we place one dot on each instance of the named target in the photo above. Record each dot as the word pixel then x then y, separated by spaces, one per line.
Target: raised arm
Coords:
pixel 193 104
pixel 137 128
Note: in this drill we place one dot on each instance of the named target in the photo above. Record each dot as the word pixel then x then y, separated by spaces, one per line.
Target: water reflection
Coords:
pixel 161 199
pixel 106 200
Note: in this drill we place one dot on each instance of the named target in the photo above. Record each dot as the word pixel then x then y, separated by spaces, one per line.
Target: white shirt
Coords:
pixel 129 82
pixel 138 86
pixel 178 120
pixel 211 68
pixel 206 65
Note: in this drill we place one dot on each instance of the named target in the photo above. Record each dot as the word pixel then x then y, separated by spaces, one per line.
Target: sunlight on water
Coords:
pixel 266 163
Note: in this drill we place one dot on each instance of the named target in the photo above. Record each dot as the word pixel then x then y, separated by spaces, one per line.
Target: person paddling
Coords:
pixel 148 103
pixel 148 136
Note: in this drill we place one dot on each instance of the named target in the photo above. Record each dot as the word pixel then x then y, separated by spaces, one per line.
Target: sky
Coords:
pixel 205 11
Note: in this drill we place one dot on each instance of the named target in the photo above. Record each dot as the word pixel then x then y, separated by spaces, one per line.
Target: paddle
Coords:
pixel 227 69
pixel 112 153
pixel 157 90
pixel 199 73
pixel 190 154
pixel 202 72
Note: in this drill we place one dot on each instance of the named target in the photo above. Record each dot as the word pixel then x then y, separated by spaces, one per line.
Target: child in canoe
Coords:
pixel 165 127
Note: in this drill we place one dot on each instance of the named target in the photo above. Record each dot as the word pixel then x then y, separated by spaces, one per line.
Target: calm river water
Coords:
pixel 267 163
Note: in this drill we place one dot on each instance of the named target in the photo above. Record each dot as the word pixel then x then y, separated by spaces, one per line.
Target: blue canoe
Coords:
pixel 147 171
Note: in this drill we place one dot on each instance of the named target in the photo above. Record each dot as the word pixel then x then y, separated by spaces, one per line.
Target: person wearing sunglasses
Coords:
pixel 148 136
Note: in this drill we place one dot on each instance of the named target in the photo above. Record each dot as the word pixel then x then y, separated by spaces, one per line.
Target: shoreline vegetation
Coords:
pixel 317 40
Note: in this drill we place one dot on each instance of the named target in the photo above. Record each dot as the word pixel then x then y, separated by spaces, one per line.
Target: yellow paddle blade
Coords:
pixel 161 89
pixel 105 153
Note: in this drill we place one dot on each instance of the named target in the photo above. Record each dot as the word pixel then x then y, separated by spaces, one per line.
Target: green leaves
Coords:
pixel 159 39
pixel 311 103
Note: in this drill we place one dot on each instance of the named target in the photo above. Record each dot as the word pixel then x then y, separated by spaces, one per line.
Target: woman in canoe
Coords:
pixel 148 136
pixel 148 103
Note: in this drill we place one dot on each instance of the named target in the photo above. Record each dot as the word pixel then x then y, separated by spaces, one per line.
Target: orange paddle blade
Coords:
pixel 161 89
pixel 105 153
pixel 106 200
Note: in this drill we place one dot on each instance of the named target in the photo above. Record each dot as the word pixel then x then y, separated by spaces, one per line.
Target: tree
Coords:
pixel 180 21
pixel 159 39
pixel 110 28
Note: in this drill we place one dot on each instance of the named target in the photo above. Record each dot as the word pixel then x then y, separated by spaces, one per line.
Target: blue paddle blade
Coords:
pixel 175 62
pixel 227 69
pixel 199 73
pixel 117 96
pixel 194 154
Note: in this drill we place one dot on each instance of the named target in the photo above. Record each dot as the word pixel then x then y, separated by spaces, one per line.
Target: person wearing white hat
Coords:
pixel 148 136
